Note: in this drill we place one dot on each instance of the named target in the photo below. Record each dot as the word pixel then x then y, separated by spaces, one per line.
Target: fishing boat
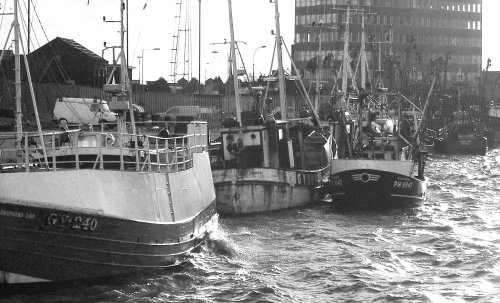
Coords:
pixel 80 205
pixel 463 135
pixel 381 157
pixel 381 169
pixel 493 123
pixel 272 164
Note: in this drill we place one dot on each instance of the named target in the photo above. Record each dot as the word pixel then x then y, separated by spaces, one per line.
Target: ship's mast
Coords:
pixel 122 90
pixel 17 78
pixel 17 69
pixel 318 70
pixel 233 64
pixel 281 76
pixel 345 61
pixel 363 53
pixel 182 42
pixel 125 80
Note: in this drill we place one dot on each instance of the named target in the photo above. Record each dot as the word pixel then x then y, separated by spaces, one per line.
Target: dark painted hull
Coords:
pixel 55 245
pixel 367 189
pixel 493 136
pixel 470 146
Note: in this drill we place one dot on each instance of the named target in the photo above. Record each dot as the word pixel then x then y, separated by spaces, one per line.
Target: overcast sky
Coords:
pixel 152 25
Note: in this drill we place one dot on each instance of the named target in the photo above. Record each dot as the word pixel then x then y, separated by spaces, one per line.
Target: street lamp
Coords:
pixel 253 62
pixel 142 67
pixel 206 67
pixel 140 62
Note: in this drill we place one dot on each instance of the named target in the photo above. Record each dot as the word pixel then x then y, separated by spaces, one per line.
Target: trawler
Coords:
pixel 80 204
pixel 382 150
pixel 270 164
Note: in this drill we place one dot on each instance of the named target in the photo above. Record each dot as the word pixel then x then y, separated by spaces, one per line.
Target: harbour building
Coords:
pixel 403 39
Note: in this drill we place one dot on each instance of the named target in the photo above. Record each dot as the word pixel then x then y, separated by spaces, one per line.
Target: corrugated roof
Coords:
pixel 81 48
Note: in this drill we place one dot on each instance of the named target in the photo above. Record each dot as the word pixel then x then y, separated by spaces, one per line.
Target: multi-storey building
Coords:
pixel 410 34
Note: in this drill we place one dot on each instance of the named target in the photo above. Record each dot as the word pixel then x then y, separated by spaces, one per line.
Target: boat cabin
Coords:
pixel 275 144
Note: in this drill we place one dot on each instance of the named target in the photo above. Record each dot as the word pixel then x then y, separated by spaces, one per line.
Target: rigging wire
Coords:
pixel 145 10
pixel 42 55
pixel 10 92
pixel 46 62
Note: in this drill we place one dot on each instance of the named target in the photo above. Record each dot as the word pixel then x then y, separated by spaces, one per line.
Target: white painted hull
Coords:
pixel 254 190
pixel 141 196
pixel 42 213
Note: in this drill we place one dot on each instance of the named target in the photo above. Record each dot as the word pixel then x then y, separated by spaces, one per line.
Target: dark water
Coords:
pixel 447 250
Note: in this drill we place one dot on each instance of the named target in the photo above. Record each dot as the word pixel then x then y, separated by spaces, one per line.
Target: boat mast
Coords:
pixel 281 76
pixel 363 53
pixel 124 78
pixel 318 70
pixel 199 47
pixel 233 64
pixel 17 69
pixel 345 61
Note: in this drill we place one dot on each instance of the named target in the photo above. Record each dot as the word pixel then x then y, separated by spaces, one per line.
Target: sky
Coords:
pixel 152 25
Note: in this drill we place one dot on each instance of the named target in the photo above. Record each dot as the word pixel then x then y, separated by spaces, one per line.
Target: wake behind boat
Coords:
pixel 85 205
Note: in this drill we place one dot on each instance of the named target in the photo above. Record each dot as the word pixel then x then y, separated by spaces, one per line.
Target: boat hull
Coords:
pixel 371 187
pixel 465 146
pixel 60 225
pixel 493 136
pixel 47 244
pixel 254 190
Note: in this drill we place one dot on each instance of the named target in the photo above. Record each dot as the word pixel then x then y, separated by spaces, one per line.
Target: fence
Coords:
pixel 222 106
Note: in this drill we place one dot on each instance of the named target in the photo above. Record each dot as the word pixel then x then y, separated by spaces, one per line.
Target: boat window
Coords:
pixel 94 107
pixel 87 141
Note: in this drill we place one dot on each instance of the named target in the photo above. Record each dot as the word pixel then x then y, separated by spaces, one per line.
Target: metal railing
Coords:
pixel 77 149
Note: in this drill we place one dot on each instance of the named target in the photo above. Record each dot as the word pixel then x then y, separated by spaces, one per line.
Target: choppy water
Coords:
pixel 447 250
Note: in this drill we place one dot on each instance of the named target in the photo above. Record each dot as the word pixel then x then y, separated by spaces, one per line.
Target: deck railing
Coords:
pixel 79 149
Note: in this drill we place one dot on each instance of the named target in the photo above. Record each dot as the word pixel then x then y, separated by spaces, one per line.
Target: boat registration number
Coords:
pixel 306 179
pixel 403 184
pixel 64 221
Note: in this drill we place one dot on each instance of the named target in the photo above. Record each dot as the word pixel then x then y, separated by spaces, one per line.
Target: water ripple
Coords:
pixel 447 250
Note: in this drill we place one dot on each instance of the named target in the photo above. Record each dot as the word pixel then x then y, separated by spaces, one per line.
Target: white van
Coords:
pixel 82 111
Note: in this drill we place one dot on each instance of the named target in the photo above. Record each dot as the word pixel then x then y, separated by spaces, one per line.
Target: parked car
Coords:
pixel 180 113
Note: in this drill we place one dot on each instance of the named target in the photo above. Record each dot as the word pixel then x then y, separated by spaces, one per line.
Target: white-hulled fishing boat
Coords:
pixel 95 205
pixel 272 165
